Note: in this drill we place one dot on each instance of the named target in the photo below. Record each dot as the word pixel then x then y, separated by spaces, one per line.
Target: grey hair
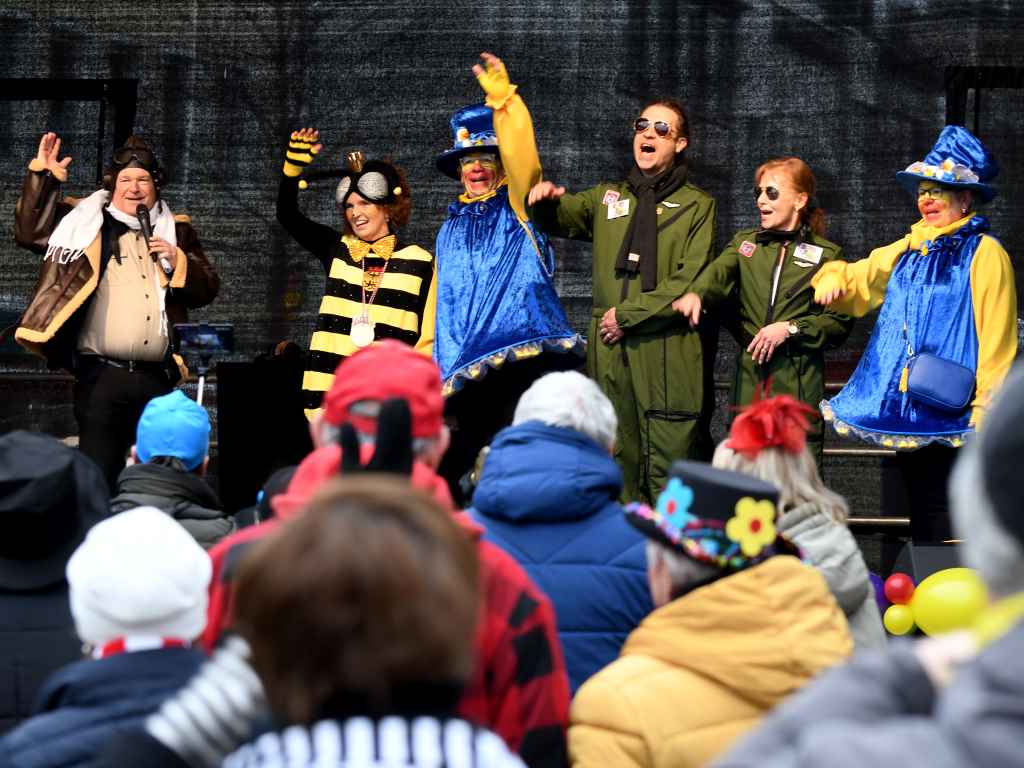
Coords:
pixel 569 399
pixel 795 475
pixel 682 570
pixel 986 545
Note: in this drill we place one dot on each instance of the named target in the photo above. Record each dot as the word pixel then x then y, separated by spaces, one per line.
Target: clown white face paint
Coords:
pixel 481 173
pixel 940 206
pixel 368 221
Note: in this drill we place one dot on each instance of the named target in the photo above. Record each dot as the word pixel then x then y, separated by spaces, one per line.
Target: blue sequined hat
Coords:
pixel 957 160
pixel 472 131
pixel 715 516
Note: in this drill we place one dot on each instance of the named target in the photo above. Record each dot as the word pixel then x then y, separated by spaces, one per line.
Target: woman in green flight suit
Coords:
pixel 764 276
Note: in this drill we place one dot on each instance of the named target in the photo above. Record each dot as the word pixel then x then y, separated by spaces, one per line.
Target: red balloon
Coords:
pixel 899 588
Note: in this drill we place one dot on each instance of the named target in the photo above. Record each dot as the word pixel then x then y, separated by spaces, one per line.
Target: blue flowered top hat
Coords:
pixel 715 516
pixel 472 131
pixel 957 160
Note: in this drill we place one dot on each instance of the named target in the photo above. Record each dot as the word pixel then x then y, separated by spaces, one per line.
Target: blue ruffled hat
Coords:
pixel 472 131
pixel 957 160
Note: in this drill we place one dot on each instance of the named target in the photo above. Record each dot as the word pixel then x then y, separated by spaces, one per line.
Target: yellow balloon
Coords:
pixel 898 619
pixel 948 600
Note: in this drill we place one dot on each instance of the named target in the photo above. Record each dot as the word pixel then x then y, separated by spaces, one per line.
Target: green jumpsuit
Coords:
pixel 739 283
pixel 657 376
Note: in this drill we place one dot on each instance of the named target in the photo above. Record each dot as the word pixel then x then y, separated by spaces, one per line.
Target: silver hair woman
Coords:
pixel 768 441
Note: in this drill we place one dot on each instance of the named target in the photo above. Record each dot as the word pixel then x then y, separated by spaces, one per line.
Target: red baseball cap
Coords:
pixel 382 371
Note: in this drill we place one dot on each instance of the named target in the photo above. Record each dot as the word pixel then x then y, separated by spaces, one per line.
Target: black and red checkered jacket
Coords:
pixel 519 687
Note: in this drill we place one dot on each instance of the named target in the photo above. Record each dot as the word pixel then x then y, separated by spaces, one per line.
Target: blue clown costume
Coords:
pixel 946 290
pixel 496 300
pixel 499 323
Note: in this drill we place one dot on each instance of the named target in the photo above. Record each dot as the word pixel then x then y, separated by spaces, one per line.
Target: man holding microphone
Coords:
pixel 118 271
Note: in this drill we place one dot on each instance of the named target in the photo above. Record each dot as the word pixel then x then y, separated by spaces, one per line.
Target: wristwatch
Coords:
pixel 793 329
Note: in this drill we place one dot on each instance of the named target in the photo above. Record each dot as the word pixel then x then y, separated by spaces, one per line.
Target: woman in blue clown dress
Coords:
pixel 948 314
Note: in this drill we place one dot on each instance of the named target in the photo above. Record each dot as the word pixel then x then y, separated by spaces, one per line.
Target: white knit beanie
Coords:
pixel 138 573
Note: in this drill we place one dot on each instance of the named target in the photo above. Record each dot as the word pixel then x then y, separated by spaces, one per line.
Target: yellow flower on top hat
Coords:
pixel 462 134
pixel 753 525
pixel 947 164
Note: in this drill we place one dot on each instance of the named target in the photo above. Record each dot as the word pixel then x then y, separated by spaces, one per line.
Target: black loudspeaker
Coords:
pixel 919 561
pixel 260 425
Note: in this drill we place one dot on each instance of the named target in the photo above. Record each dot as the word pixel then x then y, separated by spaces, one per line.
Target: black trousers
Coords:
pixel 108 403
pixel 925 474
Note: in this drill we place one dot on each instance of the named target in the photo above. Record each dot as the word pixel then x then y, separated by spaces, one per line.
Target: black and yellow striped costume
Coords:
pixel 403 309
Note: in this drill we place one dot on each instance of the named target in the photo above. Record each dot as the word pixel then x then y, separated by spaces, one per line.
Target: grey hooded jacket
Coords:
pixel 831 548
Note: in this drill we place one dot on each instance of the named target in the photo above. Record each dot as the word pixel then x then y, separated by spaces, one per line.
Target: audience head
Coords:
pixel 50 496
pixel 138 574
pixel 768 440
pixel 379 587
pixel 384 370
pixel 174 431
pixel 571 400
pixel 708 523
pixel 987 493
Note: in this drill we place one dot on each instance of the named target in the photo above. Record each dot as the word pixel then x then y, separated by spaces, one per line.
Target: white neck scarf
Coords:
pixel 76 231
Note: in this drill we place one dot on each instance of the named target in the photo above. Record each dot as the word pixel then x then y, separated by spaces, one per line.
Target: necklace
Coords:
pixel 363 330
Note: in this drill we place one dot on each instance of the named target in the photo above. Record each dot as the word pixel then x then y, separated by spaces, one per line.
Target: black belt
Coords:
pixel 154 366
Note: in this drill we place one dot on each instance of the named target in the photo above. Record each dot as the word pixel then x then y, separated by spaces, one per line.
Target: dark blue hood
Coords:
pixel 537 473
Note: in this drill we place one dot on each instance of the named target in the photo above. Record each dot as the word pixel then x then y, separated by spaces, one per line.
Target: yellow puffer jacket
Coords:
pixel 702 670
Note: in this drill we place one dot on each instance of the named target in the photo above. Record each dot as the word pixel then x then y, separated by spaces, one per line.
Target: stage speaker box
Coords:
pixel 922 560
pixel 260 425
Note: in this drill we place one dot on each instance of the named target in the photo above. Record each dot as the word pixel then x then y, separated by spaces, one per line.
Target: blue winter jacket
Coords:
pixel 549 497
pixel 83 705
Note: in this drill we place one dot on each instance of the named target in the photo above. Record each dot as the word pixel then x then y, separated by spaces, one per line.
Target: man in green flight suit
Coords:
pixel 652 235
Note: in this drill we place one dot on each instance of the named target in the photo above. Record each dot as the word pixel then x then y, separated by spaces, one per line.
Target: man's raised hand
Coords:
pixel 303 147
pixel 46 156
pixel 544 190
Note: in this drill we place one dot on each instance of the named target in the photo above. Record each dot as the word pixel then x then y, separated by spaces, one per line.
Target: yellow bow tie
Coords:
pixel 382 248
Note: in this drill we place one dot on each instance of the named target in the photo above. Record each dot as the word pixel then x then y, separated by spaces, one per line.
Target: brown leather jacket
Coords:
pixel 49 326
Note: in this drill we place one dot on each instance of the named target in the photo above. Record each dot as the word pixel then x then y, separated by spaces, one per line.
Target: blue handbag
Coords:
pixel 940 383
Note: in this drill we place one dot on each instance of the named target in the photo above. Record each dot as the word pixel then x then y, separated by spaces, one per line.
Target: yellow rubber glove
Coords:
pixel 493 78
pixel 825 284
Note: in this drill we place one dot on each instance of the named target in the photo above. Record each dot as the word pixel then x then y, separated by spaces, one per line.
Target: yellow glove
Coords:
pixel 825 283
pixel 302 149
pixel 493 78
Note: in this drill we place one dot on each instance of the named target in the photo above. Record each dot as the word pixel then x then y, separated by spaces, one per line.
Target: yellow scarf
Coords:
pixel 465 198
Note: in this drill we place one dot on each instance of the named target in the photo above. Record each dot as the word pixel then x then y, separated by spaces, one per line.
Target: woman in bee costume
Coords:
pixel 377 286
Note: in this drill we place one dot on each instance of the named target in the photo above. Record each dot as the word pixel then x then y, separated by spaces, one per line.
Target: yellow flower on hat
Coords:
pixel 947 164
pixel 753 525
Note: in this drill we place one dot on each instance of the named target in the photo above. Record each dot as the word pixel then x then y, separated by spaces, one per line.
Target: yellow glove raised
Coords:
pixel 302 149
pixel 493 78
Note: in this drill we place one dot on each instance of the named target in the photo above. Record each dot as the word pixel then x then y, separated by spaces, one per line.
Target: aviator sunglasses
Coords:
pixel 661 128
pixel 772 193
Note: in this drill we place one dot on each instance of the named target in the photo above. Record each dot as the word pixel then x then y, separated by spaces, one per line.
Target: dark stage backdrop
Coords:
pixel 855 88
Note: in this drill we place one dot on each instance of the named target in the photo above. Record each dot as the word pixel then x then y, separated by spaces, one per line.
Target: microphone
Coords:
pixel 142 214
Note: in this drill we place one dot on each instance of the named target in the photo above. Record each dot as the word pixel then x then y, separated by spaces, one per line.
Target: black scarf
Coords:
pixel 779 235
pixel 642 236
